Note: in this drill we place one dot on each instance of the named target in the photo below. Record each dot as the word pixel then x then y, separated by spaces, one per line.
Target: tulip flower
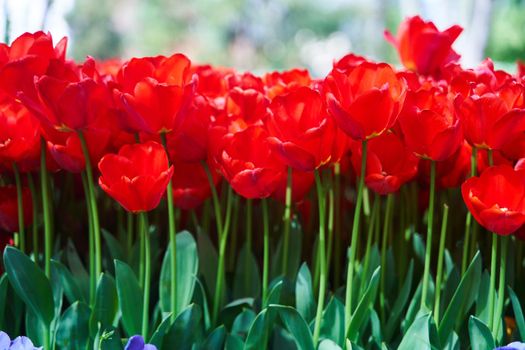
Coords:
pixel 364 99
pixel 299 129
pixel 9 208
pixel 137 176
pixel 389 163
pixel 422 47
pixel 190 185
pixel 280 83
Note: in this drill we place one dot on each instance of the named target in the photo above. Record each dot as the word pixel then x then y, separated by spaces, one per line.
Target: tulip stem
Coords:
pixel 143 218
pixel 322 257
pixel 34 226
pixel 266 249
pixel 215 198
pixel 46 208
pixel 223 239
pixel 369 239
pixel 20 207
pixel 331 213
pixel 354 236
pixel 93 204
pixel 92 277
pixel 173 239
pixel 287 222
pixel 492 283
pixel 439 276
pixel 501 287
pixel 384 248
pixel 468 220
pixel 428 250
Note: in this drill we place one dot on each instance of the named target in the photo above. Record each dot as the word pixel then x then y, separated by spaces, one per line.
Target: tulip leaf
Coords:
pixel 328 344
pixel 332 322
pixel 274 296
pixel 208 263
pixel 216 339
pixel 130 298
pixel 78 271
pixel 417 335
pixel 480 335
pixel 462 299
pixel 3 299
pixel 296 325
pixel 71 289
pixel 247 280
pixel 243 321
pixel 259 332
pixel 106 304
pixel 115 249
pixel 304 294
pixel 518 313
pixel 234 342
pixel 185 330
pixel 35 328
pixel 363 308
pixel 73 328
pixel 158 336
pixel 187 268
pixel 30 283
pixel 400 303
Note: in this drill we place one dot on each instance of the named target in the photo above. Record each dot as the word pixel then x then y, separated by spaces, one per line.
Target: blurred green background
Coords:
pixel 263 35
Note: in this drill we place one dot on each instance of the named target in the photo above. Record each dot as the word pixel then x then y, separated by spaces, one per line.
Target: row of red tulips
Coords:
pixel 164 124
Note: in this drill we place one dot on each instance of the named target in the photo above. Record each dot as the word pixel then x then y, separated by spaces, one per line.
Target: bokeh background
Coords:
pixel 261 35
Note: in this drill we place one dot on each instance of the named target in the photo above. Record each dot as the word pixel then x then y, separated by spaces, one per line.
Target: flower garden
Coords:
pixel 158 203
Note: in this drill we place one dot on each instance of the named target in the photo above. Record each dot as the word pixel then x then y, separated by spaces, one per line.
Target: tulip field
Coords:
pixel 160 203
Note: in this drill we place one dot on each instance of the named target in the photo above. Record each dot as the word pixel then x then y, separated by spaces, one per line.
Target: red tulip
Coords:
pixel 137 176
pixel 279 83
pixel 9 208
pixel 248 163
pixel 155 93
pixel 365 99
pixel 190 185
pixel 422 47
pixel 429 125
pixel 496 199
pixel 389 163
pixel 302 182
pixel 300 129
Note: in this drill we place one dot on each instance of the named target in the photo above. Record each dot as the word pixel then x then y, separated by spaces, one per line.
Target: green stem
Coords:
pixel 266 250
pixel 223 239
pixel 501 287
pixel 215 198
pixel 369 239
pixel 331 213
pixel 354 236
pixel 492 283
pixel 322 258
pixel 287 222
pixel 439 277
pixel 34 226
pixel 20 208
pixel 93 204
pixel 47 338
pixel 92 276
pixel 147 272
pixel 46 208
pixel 384 248
pixel 173 240
pixel 468 219
pixel 428 250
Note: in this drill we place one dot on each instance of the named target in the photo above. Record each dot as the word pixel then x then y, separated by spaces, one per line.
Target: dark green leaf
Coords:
pixel 186 330
pixel 260 330
pixel 35 328
pixel 77 269
pixel 3 300
pixel 363 308
pixel 243 321
pixel 418 335
pixel 332 322
pixel 480 335
pixel 115 249
pixel 216 339
pixel 158 336
pixel 106 304
pixel 274 296
pixel 30 283
pixel 208 264
pixel 399 305
pixel 247 282
pixel 73 329
pixel 234 342
pixel 129 297
pixel 304 294
pixel 71 289
pixel 518 313
pixel 187 268
pixel 296 325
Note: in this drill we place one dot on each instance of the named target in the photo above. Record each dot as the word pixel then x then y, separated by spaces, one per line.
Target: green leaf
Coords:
pixel 216 339
pixel 234 342
pixel 296 325
pixel 115 249
pixel 459 304
pixel 274 296
pixel 333 321
pixel 208 264
pixel 518 313
pixel 328 344
pixel 186 330
pixel 187 268
pixel 247 282
pixel 35 328
pixel 480 335
pixel 158 336
pixel 304 294
pixel 73 328
pixel 260 330
pixel 77 269
pixel 243 321
pixel 399 305
pixel 3 299
pixel 130 298
pixel 418 335
pixel 106 305
pixel 58 292
pixel 230 312
pixel 363 308
pixel 71 289
pixel 108 340
pixel 294 255
pixel 30 283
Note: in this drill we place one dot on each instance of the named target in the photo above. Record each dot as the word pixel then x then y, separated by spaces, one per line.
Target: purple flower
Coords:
pixel 136 342
pixel 19 343
pixel 513 346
